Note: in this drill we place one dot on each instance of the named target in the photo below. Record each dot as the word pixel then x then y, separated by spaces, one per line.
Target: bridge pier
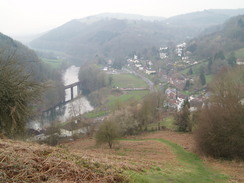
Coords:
pixel 52 111
pixel 72 92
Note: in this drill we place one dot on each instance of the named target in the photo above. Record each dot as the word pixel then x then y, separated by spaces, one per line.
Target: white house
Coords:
pixel 240 61
pixel 149 72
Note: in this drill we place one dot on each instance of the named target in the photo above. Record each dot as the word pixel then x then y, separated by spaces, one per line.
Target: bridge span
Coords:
pixel 52 110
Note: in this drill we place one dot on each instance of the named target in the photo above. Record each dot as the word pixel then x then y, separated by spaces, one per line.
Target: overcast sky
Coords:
pixel 20 17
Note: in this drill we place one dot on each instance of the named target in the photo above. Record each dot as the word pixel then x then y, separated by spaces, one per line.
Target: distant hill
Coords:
pixel 106 38
pixel 116 36
pixel 204 19
pixel 120 16
pixel 229 38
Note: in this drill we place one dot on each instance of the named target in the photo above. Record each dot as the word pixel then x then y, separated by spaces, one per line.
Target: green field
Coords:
pixel 95 114
pixel 195 68
pixel 167 122
pixel 240 53
pixel 54 63
pixel 127 81
pixel 128 96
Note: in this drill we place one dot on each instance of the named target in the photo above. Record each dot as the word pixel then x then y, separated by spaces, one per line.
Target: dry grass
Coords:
pixel 233 168
pixel 27 162
pixel 128 155
pixel 81 161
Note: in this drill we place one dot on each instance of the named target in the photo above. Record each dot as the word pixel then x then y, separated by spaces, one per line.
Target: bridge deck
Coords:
pixel 71 85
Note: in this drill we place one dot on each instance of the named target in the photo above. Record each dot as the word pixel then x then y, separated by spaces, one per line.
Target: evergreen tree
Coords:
pixel 232 59
pixel 219 55
pixel 187 85
pixel 202 78
pixel 210 63
pixel 183 117
pixel 190 72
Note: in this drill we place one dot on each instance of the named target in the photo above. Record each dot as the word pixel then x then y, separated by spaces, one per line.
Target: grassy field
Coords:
pixel 127 81
pixel 167 122
pixel 240 53
pixel 196 69
pixel 127 96
pixel 52 62
pixel 208 78
pixel 95 114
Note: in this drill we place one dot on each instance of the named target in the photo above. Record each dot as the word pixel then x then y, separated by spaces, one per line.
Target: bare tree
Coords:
pixel 108 132
pixel 17 95
pixel 220 124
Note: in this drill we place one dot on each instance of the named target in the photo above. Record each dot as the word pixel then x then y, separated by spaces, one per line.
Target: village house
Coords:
pixel 240 61
pixel 178 82
pixel 195 104
pixel 150 72
pixel 171 93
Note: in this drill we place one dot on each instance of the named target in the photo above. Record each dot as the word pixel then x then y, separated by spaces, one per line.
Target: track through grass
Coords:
pixel 190 169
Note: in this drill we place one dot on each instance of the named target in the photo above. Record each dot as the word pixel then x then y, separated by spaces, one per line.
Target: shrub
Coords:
pixel 18 94
pixel 108 132
pixel 221 123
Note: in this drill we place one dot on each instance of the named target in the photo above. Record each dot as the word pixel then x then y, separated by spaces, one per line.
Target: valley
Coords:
pixel 117 97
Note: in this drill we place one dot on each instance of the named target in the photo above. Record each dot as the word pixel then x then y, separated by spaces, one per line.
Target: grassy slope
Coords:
pixel 128 96
pixel 190 169
pixel 240 53
pixel 28 162
pixel 54 63
pixel 148 158
pixel 167 122
pixel 121 81
pixel 128 81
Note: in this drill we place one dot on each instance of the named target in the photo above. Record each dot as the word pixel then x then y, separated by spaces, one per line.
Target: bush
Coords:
pixel 108 132
pixel 52 140
pixel 221 123
pixel 18 95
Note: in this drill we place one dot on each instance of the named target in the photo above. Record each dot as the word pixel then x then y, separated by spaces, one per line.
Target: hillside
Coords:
pixel 117 36
pixel 229 38
pixel 205 19
pixel 29 162
pixel 155 157
pixel 106 38
pixel 29 61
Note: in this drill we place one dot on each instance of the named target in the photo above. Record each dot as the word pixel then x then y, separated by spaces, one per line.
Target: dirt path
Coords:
pixel 233 168
pixel 129 151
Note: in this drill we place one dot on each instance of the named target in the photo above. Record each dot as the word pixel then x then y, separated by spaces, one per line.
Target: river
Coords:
pixel 71 109
pixel 78 106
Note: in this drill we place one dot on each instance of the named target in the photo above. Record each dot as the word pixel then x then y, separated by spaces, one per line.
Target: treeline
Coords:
pixel 94 83
pixel 132 118
pixel 92 78
pixel 229 39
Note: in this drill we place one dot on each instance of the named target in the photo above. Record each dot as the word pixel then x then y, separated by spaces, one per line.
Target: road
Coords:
pixel 148 81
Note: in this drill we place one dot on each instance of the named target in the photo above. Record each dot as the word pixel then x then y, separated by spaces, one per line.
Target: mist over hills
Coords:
pixel 117 36
pixel 229 38
pixel 206 18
